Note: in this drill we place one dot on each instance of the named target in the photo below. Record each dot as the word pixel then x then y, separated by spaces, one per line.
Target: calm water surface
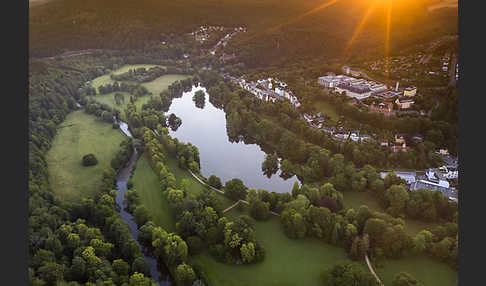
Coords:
pixel 206 129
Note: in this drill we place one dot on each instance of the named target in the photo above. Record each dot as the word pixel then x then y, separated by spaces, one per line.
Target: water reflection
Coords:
pixel 226 158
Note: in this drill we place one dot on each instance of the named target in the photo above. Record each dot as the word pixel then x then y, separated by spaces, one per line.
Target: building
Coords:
pixel 384 143
pixel 444 151
pixel 383 107
pixel 400 139
pixel 428 185
pixel 403 148
pixel 351 70
pixel 404 103
pixel 410 91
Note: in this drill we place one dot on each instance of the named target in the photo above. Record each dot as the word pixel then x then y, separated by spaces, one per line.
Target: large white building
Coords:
pixel 350 86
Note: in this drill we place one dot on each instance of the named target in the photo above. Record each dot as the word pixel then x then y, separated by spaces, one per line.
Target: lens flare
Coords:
pixel 291 21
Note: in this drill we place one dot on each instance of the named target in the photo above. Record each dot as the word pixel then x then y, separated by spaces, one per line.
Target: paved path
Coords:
pixel 372 270
pixel 221 192
pixel 232 206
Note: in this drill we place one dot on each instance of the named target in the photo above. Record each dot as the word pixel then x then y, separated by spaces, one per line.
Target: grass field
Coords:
pixel 155 87
pixel 287 261
pixel 327 109
pixel 427 270
pixel 77 136
pixel 161 83
pixel 105 79
pixel 147 185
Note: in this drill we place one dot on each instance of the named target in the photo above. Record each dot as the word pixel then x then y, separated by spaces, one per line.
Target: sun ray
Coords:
pixel 358 29
pixel 387 38
pixel 291 21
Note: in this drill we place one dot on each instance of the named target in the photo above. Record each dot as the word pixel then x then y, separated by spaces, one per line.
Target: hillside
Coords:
pixel 275 28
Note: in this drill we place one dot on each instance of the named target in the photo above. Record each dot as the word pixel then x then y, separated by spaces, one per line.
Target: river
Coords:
pixel 159 274
pixel 206 129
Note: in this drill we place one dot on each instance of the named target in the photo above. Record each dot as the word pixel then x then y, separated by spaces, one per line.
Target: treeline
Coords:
pixel 319 212
pixel 146 75
pixel 86 242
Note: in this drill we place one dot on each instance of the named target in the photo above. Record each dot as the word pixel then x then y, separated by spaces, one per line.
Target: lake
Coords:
pixel 206 128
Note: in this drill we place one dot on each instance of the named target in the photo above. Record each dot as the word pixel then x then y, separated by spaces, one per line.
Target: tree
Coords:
pixel 259 210
pixel 235 189
pixel 346 273
pixel 270 165
pixel 215 182
pixel 89 160
pixel 121 267
pixel 184 274
pixel 175 249
pixel 397 196
pixel 405 279
pixel 138 279
pixel 78 269
pixel 51 273
pixel 247 252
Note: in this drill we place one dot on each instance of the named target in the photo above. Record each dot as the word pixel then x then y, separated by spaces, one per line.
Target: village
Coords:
pixel 370 95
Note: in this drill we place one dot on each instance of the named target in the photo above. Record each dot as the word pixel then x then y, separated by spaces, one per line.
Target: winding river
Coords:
pixel 159 274
pixel 206 129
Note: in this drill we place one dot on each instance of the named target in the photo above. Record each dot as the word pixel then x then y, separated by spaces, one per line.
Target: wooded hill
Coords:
pixel 126 24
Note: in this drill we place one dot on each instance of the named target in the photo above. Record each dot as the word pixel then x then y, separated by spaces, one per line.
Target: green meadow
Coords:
pixel 78 135
pixel 146 183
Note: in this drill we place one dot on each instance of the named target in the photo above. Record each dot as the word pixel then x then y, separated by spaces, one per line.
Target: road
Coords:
pixel 452 71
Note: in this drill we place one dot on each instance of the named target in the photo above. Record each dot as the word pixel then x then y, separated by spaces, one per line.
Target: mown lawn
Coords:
pixel 161 83
pixel 105 79
pixel 78 135
pixel 155 87
pixel 427 270
pixel 147 185
pixel 287 261
pixel 327 109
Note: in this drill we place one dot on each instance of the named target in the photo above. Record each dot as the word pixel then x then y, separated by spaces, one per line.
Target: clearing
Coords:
pixel 78 135
pixel 147 185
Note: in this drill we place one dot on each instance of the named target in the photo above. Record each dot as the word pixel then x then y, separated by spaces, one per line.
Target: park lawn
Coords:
pixel 155 87
pixel 356 199
pixel 429 271
pixel 105 79
pixel 287 261
pixel 147 185
pixel 326 108
pixel 78 135
pixel 161 83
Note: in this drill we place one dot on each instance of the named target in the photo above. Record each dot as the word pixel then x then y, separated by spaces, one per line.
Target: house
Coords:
pixel 226 57
pixel 384 142
pixel 444 151
pixel 400 139
pixel 402 147
pixel 410 91
pixel 382 107
pixel 404 103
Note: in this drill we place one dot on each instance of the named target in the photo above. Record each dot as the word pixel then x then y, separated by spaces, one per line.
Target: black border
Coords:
pixel 14 136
